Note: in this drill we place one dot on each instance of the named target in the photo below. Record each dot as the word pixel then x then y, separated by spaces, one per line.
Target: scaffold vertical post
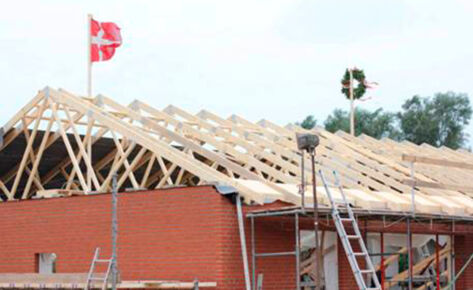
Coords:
pixel 409 254
pixel 297 253
pixel 253 252
pixel 302 181
pixel 316 221
pixel 244 254
pixel 383 277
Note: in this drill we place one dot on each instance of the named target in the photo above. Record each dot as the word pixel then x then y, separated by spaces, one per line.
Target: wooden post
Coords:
pixel 352 105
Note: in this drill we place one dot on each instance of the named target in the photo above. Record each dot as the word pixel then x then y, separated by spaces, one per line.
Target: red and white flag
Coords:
pixel 105 37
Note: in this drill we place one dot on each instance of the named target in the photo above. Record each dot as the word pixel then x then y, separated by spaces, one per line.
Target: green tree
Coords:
pixel 308 123
pixel 439 121
pixel 377 124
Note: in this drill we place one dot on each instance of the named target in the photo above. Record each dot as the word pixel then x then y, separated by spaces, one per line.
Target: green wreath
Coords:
pixel 360 89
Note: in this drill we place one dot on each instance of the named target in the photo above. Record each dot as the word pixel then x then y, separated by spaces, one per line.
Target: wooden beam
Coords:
pixel 26 154
pixel 427 285
pixel 258 152
pixel 209 138
pixel 125 160
pixel 52 173
pixel 82 150
pixel 419 266
pixel 36 178
pixel 435 161
pixel 420 183
pixel 87 141
pixel 164 169
pixel 166 177
pixel 37 160
pixel 132 166
pixel 69 149
pixel 391 259
pixel 149 167
pixel 228 149
pixel 198 149
pixel 31 105
pixel 116 165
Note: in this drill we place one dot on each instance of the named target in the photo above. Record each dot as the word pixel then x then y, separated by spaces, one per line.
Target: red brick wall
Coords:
pixel 270 236
pixel 346 279
pixel 463 249
pixel 173 234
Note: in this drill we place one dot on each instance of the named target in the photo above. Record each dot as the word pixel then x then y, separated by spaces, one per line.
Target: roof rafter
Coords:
pixel 63 140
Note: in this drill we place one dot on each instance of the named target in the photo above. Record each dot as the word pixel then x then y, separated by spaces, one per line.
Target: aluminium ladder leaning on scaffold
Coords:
pixel 346 238
pixel 91 277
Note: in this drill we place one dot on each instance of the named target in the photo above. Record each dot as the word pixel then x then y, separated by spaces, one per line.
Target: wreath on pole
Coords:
pixel 360 89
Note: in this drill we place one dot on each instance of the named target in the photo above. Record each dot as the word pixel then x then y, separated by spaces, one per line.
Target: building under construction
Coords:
pixel 206 202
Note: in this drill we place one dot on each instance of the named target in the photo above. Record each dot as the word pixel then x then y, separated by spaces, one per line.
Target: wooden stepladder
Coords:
pixel 96 277
pixel 361 275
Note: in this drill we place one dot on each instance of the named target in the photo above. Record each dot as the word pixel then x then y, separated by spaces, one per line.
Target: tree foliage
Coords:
pixel 308 123
pixel 377 124
pixel 439 121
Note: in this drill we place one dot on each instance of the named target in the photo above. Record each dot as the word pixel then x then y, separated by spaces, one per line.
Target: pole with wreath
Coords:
pixel 355 93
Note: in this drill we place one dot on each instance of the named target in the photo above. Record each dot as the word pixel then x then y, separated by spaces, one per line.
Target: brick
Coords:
pixel 171 234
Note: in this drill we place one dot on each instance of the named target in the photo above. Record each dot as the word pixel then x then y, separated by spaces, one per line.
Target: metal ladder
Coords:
pixel 90 276
pixel 346 238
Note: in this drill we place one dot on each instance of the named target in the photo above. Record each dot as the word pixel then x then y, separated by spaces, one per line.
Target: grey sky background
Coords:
pixel 279 60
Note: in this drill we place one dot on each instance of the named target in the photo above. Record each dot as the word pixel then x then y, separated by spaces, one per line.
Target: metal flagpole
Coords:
pixel 89 56
pixel 89 93
pixel 352 110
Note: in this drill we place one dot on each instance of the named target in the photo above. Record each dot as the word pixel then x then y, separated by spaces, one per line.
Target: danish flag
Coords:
pixel 105 37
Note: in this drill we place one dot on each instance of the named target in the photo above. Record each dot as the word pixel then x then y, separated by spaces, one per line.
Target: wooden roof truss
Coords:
pixel 158 148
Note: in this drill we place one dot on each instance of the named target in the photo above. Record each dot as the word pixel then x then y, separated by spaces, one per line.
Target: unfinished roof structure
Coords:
pixel 61 141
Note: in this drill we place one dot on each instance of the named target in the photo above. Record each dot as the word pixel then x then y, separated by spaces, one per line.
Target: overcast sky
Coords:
pixel 279 60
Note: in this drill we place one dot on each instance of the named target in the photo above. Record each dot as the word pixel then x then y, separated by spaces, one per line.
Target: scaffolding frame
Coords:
pixel 388 219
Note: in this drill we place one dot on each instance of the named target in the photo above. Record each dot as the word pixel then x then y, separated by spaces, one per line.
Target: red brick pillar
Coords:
pixel 346 279
pixel 463 249
pixel 271 235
